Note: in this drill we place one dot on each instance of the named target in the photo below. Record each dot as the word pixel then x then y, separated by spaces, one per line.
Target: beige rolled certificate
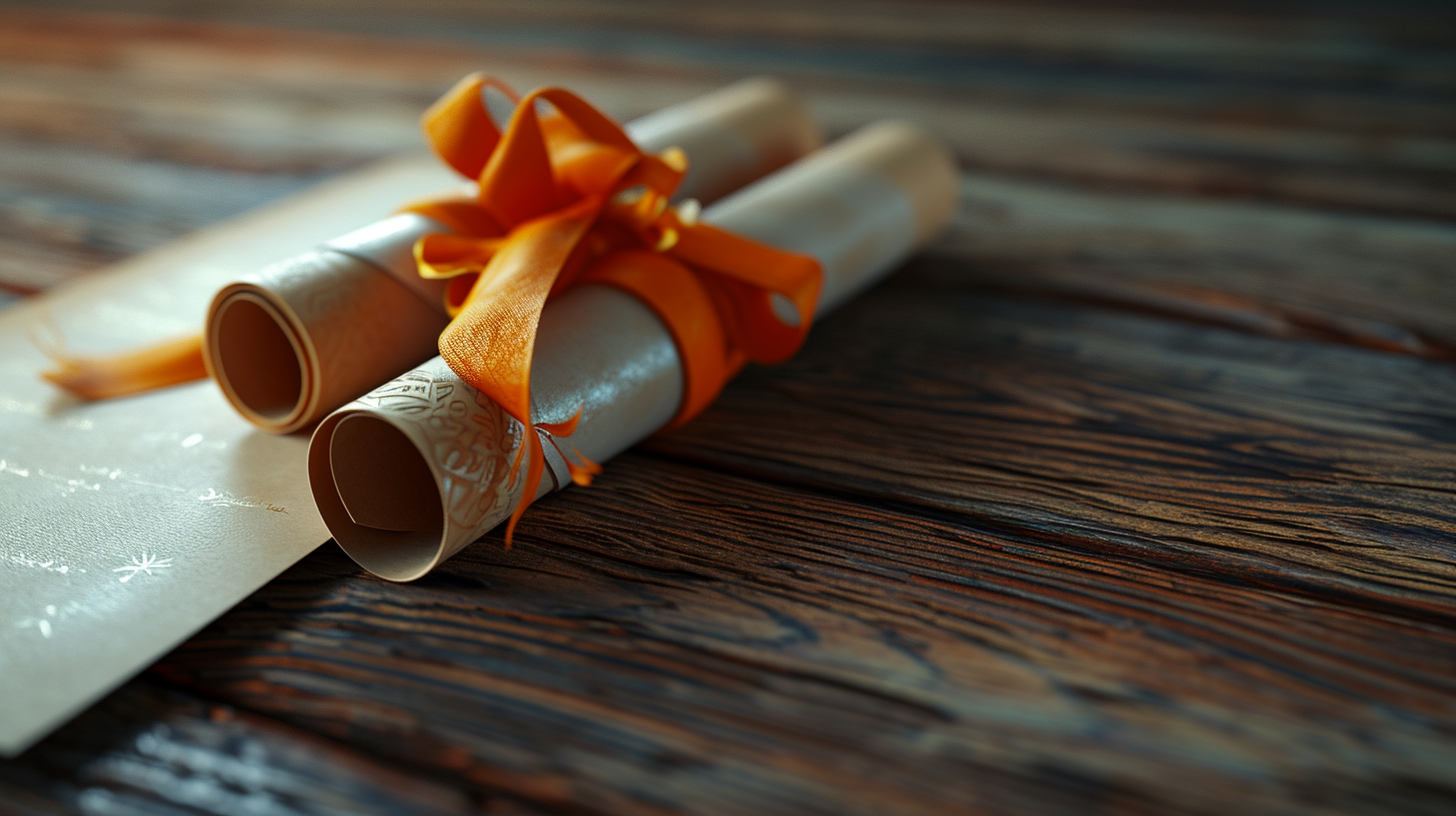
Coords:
pixel 410 473
pixel 302 337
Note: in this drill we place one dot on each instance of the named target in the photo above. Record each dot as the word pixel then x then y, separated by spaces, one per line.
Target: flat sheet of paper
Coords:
pixel 126 526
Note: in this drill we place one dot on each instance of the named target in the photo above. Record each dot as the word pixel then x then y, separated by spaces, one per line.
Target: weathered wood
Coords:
pixel 1291 479
pixel 1131 494
pixel 146 749
pixel 1305 466
pixel 1275 270
pixel 732 646
pixel 1356 113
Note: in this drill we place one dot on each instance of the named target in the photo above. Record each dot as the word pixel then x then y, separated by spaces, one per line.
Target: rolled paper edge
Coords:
pixel 394 555
pixel 390 554
pixel 461 442
pixel 235 381
pixel 374 322
pixel 910 162
pixel 757 123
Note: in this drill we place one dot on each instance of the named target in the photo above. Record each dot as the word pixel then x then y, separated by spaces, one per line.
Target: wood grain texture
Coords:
pixel 146 749
pixel 1315 466
pixel 1274 270
pixel 734 646
pixel 1133 493
pixel 1353 112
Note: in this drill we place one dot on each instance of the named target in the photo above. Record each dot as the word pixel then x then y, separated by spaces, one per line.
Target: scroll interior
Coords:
pixel 859 206
pixel 385 508
pixel 325 327
pixel 258 359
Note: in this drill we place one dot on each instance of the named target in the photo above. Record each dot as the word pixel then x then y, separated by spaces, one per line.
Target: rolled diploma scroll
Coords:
pixel 304 336
pixel 410 473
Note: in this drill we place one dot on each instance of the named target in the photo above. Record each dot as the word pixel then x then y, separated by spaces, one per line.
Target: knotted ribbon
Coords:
pixel 565 198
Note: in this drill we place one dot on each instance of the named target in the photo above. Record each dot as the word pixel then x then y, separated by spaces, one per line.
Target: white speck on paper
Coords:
pixel 67 486
pixel 49 565
pixel 143 564
pixel 225 499
pixel 51 616
pixel 9 405
pixel 70 486
pixel 184 440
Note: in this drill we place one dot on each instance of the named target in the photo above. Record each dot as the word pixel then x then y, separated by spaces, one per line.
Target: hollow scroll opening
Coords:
pixel 377 495
pixel 257 361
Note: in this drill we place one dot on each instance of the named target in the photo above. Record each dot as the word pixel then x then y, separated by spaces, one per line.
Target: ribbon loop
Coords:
pixel 565 198
pixel 459 126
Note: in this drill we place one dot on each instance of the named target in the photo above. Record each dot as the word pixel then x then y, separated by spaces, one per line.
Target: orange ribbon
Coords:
pixel 566 198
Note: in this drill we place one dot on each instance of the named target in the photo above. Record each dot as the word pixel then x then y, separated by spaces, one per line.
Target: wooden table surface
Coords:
pixel 1133 493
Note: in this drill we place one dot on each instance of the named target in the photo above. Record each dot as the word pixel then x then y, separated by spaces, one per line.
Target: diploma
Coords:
pixel 128 524
pixel 301 337
pixel 408 474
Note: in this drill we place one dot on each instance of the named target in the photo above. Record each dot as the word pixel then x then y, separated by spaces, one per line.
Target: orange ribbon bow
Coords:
pixel 566 198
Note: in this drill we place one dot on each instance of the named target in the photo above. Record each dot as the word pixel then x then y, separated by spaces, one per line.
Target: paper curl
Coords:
pixel 412 472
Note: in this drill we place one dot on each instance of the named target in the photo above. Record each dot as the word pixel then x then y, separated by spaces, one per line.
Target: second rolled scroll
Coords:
pixel 304 336
pixel 410 473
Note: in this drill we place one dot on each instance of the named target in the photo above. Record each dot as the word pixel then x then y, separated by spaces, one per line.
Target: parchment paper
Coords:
pixel 293 341
pixel 410 473
pixel 128 524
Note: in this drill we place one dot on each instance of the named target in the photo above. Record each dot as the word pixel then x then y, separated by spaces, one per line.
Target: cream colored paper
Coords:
pixel 298 339
pixel 410 473
pixel 126 525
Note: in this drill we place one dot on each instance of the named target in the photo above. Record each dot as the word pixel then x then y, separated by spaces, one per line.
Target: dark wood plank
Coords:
pixel 1119 498
pixel 1274 270
pixel 1313 467
pixel 1356 112
pixel 147 749
pixel 731 646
